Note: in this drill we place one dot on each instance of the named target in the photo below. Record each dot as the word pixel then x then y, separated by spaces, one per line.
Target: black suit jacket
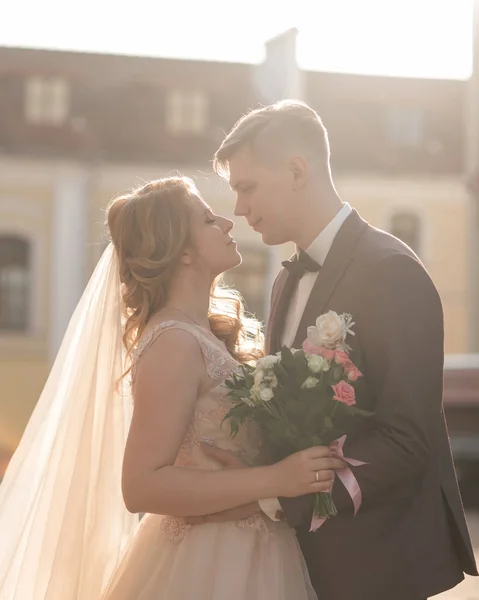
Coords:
pixel 409 539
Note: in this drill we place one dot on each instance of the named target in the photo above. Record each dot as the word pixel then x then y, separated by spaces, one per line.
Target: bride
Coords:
pixel 143 360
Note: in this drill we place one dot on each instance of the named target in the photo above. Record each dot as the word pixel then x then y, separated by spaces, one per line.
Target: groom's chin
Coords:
pixel 272 239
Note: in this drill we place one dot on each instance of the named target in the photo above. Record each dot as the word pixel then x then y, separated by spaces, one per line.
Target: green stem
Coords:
pixel 284 416
pixel 324 506
pixel 333 411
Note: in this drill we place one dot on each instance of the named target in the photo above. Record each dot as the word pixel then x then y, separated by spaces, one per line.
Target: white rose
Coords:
pixel 317 363
pixel 292 350
pixel 330 331
pixel 310 382
pixel 258 376
pixel 267 361
pixel 266 394
pixel 271 381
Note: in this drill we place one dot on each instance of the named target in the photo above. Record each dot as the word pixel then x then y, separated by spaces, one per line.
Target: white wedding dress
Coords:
pixel 250 559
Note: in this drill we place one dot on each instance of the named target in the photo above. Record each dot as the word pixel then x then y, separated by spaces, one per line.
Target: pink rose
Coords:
pixel 352 372
pixel 341 357
pixel 326 353
pixel 343 392
pixel 350 368
pixel 310 348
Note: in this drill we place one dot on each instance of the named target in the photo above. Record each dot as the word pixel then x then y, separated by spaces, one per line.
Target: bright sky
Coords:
pixel 424 38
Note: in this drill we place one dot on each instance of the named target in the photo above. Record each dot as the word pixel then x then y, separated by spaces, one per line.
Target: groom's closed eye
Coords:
pixel 243 186
pixel 247 189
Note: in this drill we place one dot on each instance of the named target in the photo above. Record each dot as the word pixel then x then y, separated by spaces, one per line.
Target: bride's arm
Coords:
pixel 167 384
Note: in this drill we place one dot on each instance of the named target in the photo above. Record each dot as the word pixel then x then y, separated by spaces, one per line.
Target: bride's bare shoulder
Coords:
pixel 168 343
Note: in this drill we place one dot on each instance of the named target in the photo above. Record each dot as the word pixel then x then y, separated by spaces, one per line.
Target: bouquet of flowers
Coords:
pixel 303 398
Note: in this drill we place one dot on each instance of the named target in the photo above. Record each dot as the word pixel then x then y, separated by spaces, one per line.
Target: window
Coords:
pixel 407 227
pixel 186 112
pixel 404 126
pixel 14 283
pixel 46 101
pixel 249 279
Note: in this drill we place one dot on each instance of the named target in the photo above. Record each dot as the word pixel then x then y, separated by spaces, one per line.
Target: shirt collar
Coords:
pixel 321 246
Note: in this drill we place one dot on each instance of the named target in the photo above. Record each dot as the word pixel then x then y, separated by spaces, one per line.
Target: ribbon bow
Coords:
pixel 347 478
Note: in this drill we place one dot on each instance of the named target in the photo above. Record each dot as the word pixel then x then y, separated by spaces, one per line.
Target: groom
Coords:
pixel 409 539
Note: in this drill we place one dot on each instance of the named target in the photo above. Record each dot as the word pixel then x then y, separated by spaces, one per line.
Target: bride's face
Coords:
pixel 214 249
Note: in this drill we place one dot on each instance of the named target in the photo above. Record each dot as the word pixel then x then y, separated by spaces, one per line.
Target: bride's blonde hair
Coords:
pixel 150 229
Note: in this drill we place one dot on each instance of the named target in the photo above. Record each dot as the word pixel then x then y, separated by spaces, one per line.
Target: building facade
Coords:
pixel 76 129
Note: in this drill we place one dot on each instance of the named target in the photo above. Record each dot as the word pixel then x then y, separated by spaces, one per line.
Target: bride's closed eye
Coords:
pixel 210 219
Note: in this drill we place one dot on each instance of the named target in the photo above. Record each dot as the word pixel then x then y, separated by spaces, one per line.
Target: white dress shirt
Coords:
pixel 318 251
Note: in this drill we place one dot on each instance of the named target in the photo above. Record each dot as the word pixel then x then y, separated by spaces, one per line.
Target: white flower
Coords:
pixel 292 350
pixel 267 361
pixel 331 330
pixel 317 363
pixel 310 382
pixel 266 394
pixel 258 376
pixel 271 381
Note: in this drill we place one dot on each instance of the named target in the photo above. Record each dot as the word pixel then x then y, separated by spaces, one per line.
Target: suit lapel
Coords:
pixel 272 333
pixel 334 267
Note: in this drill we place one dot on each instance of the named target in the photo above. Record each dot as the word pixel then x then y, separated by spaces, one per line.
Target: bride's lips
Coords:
pixel 255 224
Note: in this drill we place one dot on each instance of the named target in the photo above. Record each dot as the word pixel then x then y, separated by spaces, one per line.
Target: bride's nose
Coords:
pixel 228 225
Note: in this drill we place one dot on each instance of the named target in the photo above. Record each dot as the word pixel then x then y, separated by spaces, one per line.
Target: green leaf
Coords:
pixel 300 359
pixel 328 423
pixel 354 410
pixel 287 359
pixel 282 374
pixel 337 374
pixel 283 395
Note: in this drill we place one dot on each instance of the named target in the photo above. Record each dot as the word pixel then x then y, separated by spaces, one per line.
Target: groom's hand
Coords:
pixel 233 514
pixel 228 459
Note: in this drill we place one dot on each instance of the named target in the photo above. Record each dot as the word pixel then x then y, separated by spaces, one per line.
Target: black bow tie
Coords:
pixel 300 264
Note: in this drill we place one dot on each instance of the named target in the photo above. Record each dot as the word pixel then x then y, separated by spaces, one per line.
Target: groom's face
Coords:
pixel 264 196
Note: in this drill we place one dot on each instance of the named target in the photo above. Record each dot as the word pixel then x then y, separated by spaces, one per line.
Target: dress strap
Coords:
pixel 218 362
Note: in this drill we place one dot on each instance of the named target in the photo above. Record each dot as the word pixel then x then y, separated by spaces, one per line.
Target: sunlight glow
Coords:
pixel 423 38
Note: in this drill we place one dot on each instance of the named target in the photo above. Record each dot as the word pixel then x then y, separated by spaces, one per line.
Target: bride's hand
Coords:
pixel 307 471
pixel 296 474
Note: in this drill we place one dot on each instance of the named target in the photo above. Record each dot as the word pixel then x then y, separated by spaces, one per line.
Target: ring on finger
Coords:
pixel 316 474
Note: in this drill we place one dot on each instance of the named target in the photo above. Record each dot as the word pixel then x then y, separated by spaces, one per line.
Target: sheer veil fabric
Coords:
pixel 63 523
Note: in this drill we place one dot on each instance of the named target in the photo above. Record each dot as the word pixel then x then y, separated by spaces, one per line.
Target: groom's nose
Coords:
pixel 241 208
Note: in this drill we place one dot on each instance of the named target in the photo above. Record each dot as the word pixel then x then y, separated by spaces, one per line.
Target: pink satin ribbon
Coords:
pixel 347 478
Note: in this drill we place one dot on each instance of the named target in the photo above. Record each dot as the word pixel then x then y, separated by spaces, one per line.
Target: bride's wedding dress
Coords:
pixel 250 559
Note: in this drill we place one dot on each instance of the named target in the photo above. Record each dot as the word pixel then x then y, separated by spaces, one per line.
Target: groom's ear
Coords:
pixel 299 171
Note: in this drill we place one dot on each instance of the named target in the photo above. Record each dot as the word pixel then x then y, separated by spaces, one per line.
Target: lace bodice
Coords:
pixel 207 421
pixel 212 406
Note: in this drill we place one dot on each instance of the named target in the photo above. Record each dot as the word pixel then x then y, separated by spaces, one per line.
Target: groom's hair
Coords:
pixel 270 132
